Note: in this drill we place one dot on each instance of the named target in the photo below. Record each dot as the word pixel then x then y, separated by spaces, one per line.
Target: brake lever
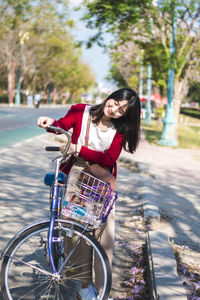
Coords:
pixel 59 156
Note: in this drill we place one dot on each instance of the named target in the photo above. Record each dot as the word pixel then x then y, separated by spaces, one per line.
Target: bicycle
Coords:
pixel 43 261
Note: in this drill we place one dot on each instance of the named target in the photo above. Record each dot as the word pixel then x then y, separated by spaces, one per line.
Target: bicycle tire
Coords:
pixel 25 274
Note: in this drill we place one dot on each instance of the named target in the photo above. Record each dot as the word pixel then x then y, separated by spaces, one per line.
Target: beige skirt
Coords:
pixel 104 234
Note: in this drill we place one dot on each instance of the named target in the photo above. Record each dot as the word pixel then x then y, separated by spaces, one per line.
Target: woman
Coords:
pixel 115 124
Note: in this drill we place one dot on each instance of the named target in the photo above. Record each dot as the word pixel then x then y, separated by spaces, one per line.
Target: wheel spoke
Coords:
pixel 32 266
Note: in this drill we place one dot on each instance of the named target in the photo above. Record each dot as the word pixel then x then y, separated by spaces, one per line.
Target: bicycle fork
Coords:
pixel 55 212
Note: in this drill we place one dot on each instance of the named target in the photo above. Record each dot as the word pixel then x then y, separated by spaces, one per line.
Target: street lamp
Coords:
pixel 23 37
pixel 148 101
pixel 141 81
pixel 168 133
pixel 141 74
pixel 149 72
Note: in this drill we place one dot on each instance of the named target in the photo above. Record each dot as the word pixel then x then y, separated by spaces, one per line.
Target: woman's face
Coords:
pixel 115 109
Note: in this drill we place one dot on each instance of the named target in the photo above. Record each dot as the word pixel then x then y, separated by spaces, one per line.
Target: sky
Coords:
pixel 95 56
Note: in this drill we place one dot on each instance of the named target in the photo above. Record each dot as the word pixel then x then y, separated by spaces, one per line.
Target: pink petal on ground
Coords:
pixel 196 285
pixel 136 289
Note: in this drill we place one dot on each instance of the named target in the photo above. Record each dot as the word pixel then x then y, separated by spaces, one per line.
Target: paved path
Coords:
pixel 24 197
pixel 173 181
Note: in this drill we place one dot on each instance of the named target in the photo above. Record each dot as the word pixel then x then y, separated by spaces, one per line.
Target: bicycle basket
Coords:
pixel 88 199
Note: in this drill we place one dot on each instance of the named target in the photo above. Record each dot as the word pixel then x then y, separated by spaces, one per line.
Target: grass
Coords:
pixel 188 133
pixel 188 120
pixel 189 137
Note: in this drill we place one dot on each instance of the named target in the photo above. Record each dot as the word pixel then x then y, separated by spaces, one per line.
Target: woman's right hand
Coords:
pixel 45 122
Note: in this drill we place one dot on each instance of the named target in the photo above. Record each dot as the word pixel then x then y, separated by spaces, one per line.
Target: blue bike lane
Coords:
pixel 20 123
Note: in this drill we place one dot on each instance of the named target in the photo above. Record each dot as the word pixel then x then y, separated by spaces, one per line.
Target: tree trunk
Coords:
pixel 9 78
pixel 180 92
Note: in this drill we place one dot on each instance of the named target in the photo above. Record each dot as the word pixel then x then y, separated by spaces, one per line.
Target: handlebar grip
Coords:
pixel 52 148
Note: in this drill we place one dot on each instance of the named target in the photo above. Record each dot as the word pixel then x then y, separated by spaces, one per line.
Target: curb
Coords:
pixel 164 282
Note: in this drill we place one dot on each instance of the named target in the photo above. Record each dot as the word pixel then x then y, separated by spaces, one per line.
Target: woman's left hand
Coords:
pixel 73 149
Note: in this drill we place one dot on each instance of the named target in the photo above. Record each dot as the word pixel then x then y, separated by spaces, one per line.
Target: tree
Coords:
pixel 113 16
pixel 125 64
pixel 53 59
pixel 130 21
pixel 50 56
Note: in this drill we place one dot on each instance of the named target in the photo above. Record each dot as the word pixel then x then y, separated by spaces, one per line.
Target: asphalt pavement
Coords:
pixel 19 123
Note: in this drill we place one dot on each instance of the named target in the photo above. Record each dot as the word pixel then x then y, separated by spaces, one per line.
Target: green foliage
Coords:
pixel 116 76
pixel 117 15
pixel 14 13
pixel 194 92
pixel 114 17
pixel 57 60
pixel 162 86
pixel 50 56
pixel 3 98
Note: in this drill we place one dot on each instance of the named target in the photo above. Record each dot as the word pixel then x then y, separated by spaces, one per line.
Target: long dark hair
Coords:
pixel 128 124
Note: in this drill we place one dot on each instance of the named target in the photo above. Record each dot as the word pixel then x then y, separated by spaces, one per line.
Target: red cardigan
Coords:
pixel 73 119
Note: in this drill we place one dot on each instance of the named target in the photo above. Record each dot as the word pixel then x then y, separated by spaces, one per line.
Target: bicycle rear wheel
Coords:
pixel 25 271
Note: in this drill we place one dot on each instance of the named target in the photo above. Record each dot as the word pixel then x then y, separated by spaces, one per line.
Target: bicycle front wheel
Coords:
pixel 26 272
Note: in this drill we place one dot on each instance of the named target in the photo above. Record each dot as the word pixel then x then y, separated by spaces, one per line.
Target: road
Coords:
pixel 19 123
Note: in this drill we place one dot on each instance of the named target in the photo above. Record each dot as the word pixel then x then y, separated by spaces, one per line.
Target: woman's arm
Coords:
pixel 107 158
pixel 66 122
pixel 71 118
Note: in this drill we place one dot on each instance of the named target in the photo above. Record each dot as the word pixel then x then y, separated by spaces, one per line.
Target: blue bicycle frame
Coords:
pixel 56 200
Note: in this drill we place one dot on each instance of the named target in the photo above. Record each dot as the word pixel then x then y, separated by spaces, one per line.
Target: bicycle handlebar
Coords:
pixel 52 148
pixel 62 131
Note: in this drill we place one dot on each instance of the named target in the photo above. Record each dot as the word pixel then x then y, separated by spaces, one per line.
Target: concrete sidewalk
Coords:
pixel 171 182
pixel 170 193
